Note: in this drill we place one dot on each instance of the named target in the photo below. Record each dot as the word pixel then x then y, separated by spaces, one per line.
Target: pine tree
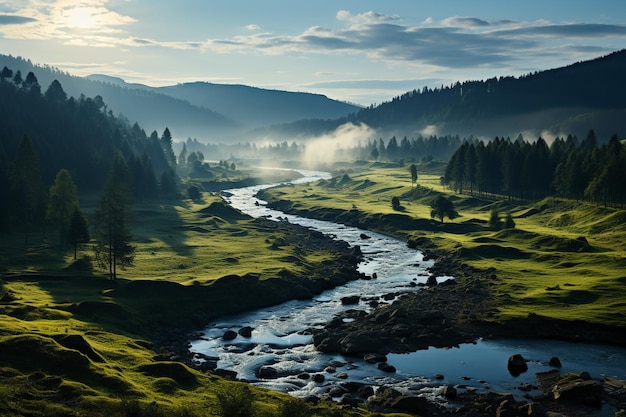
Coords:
pixel 113 239
pixel 62 201
pixel 166 143
pixel 28 185
pixel 78 231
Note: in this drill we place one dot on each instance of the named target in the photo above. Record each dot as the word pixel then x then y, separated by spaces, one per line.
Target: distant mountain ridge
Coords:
pixel 208 112
pixel 571 99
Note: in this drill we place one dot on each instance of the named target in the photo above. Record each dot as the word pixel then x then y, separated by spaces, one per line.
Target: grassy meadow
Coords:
pixel 564 259
pixel 73 343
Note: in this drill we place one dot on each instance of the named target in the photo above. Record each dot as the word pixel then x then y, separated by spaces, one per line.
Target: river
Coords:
pixel 280 340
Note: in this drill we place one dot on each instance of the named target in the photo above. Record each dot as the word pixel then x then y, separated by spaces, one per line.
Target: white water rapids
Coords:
pixel 279 338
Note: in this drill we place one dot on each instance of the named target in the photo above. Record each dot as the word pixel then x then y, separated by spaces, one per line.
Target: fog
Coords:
pixel 328 148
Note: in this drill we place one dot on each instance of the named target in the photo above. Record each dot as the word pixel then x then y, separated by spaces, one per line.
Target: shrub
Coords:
pixel 236 401
pixel 395 203
pixel 509 223
pixel 293 407
pixel 494 219
pixel 194 192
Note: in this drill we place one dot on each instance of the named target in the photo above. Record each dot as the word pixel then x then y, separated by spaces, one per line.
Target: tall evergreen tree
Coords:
pixel 78 231
pixel 28 185
pixel 166 143
pixel 110 225
pixel 62 201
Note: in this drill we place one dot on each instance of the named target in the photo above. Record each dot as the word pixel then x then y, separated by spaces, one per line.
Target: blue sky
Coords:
pixel 360 51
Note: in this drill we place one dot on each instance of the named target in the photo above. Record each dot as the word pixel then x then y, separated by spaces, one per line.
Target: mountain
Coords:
pixel 256 107
pixel 572 99
pixel 152 110
pixel 208 112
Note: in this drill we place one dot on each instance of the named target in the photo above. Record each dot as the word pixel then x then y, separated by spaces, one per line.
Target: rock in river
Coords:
pixel 517 364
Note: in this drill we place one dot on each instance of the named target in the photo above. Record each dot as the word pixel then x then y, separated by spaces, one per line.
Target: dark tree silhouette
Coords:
pixel 110 226
pixel 28 185
pixel 442 207
pixel 413 169
pixel 62 202
pixel 78 232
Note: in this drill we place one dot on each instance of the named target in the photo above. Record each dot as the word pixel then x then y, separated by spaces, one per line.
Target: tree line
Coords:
pixel 391 149
pixel 52 145
pixel 569 168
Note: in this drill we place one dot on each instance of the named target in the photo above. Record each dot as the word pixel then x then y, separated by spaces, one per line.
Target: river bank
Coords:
pixel 461 310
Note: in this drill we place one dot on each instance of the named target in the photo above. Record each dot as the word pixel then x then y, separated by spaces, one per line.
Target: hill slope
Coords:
pixel 572 99
pixel 201 110
pixel 259 107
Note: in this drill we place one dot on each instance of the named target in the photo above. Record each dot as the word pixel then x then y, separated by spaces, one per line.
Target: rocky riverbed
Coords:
pixel 459 311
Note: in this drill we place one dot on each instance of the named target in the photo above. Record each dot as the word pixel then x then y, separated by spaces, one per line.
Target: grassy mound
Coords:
pixel 29 353
pixel 223 211
pixel 175 371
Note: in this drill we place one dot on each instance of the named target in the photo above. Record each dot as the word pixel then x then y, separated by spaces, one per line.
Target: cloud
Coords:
pixel 253 27
pixel 465 22
pixel 6 19
pixel 452 43
pixel 77 22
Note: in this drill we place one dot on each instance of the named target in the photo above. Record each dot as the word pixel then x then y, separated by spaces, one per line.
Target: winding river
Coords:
pixel 279 339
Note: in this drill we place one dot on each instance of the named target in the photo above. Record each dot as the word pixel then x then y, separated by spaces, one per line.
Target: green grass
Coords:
pixel 564 259
pixel 74 343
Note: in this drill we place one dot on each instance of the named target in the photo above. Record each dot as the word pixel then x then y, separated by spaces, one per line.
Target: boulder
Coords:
pixel 449 392
pixel 579 392
pixel 431 281
pixel 245 332
pixel 517 364
pixel 554 362
pixel 336 392
pixel 385 367
pixel 349 400
pixel 350 300
pixel 229 335
pixel 410 404
pixel 365 391
pixel 319 378
pixel 267 372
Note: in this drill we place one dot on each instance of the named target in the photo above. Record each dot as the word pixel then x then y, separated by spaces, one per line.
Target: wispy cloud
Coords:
pixel 8 19
pixel 455 42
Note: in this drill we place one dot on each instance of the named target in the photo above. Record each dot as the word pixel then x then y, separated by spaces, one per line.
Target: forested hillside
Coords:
pixel 560 101
pixel 208 112
pixel 522 170
pixel 146 107
pixel 42 132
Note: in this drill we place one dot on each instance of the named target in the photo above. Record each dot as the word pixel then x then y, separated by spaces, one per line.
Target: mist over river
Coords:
pixel 280 340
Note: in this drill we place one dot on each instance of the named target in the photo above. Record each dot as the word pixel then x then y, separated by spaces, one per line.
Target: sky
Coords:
pixel 361 51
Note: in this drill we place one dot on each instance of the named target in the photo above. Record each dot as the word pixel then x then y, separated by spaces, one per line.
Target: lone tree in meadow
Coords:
pixel 442 207
pixel 78 231
pixel 413 169
pixel 113 239
pixel 62 201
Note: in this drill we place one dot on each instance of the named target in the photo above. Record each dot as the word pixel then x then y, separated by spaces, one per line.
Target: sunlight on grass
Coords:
pixel 564 259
